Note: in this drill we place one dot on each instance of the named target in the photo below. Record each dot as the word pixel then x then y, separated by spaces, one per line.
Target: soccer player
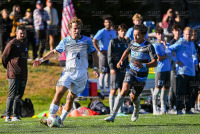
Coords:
pixel 115 50
pixel 137 20
pixel 176 30
pixel 143 56
pixel 74 75
pixel 103 38
pixel 186 60
pixel 162 73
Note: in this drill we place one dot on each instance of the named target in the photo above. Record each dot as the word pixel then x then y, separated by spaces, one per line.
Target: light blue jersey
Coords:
pixel 129 34
pixel 185 53
pixel 76 51
pixel 164 65
pixel 104 36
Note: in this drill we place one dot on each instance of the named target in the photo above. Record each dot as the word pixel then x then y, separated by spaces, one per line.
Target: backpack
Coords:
pixel 26 109
pixel 98 107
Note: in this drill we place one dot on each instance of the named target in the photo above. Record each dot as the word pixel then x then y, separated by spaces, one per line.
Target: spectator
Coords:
pixel 169 19
pixel 176 30
pixel 5 29
pixel 104 36
pixel 30 32
pixel 52 23
pixel 162 73
pixel 186 61
pixel 14 59
pixel 40 17
pixel 197 76
pixel 16 18
pixel 137 20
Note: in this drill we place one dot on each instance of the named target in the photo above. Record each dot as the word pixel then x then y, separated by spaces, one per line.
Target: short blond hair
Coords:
pixel 187 28
pixel 75 20
pixel 137 16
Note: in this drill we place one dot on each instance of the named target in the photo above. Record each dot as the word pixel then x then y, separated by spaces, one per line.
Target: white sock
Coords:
pixel 155 99
pixel 107 82
pixel 111 102
pixel 163 99
pixel 118 102
pixel 63 115
pixel 101 81
pixel 53 109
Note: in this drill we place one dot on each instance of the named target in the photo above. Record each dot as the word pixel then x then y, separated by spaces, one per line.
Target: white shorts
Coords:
pixel 75 80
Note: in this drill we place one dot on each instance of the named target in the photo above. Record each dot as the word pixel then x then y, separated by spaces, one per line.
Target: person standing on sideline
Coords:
pixel 186 64
pixel 102 38
pixel 30 32
pixel 74 76
pixel 162 73
pixel 137 20
pixel 116 48
pixel 40 17
pixel 14 59
pixel 143 56
pixel 176 30
pixel 52 22
pixel 5 29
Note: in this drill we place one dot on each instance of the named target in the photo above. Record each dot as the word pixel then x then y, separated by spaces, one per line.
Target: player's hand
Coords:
pixel 180 63
pixel 36 63
pixel 96 72
pixel 112 72
pixel 119 64
pixel 137 64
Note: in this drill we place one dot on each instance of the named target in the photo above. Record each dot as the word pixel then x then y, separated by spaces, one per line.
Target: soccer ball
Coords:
pixel 54 121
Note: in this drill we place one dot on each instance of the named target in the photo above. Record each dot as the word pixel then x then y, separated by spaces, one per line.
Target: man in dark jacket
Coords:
pixel 14 59
pixel 116 48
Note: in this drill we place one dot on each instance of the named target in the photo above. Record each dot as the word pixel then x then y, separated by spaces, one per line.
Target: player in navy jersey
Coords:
pixel 143 56
pixel 74 76
pixel 162 73
pixel 101 42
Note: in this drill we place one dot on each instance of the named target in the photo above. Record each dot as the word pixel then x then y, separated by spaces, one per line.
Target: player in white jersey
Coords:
pixel 74 75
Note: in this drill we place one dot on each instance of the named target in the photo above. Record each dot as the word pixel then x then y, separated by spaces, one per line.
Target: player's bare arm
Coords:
pixel 153 63
pixel 96 45
pixel 95 63
pixel 46 57
pixel 161 58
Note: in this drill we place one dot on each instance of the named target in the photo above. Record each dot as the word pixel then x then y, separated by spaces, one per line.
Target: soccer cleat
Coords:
pixel 189 112
pixel 110 118
pixel 7 119
pixel 162 112
pixel 135 114
pixel 172 111
pixel 16 119
pixel 194 110
pixel 179 112
pixel 156 112
pixel 43 122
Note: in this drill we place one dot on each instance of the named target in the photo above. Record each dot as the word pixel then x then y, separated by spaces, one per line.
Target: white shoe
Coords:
pixel 162 112
pixel 135 114
pixel 16 119
pixel 156 112
pixel 196 111
pixel 7 119
pixel 110 118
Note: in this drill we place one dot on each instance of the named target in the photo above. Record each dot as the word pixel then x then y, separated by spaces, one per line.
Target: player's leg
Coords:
pixel 68 105
pixel 112 91
pixel 165 91
pixel 120 98
pixel 107 83
pixel 60 91
pixel 158 86
pixel 135 93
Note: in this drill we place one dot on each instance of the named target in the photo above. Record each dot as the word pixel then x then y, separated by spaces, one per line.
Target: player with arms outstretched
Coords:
pixel 74 76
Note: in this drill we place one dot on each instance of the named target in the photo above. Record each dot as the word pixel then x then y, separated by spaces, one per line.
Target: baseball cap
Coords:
pixel 28 10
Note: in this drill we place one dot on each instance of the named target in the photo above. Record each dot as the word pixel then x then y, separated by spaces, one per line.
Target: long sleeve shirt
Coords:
pixel 40 19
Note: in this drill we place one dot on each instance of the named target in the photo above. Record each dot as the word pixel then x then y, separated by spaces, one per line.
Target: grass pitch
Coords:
pixel 146 124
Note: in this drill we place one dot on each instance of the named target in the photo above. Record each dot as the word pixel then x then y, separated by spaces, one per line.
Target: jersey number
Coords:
pixel 78 55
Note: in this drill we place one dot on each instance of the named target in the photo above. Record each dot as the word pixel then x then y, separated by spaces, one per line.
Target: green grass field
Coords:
pixel 146 124
pixel 41 89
